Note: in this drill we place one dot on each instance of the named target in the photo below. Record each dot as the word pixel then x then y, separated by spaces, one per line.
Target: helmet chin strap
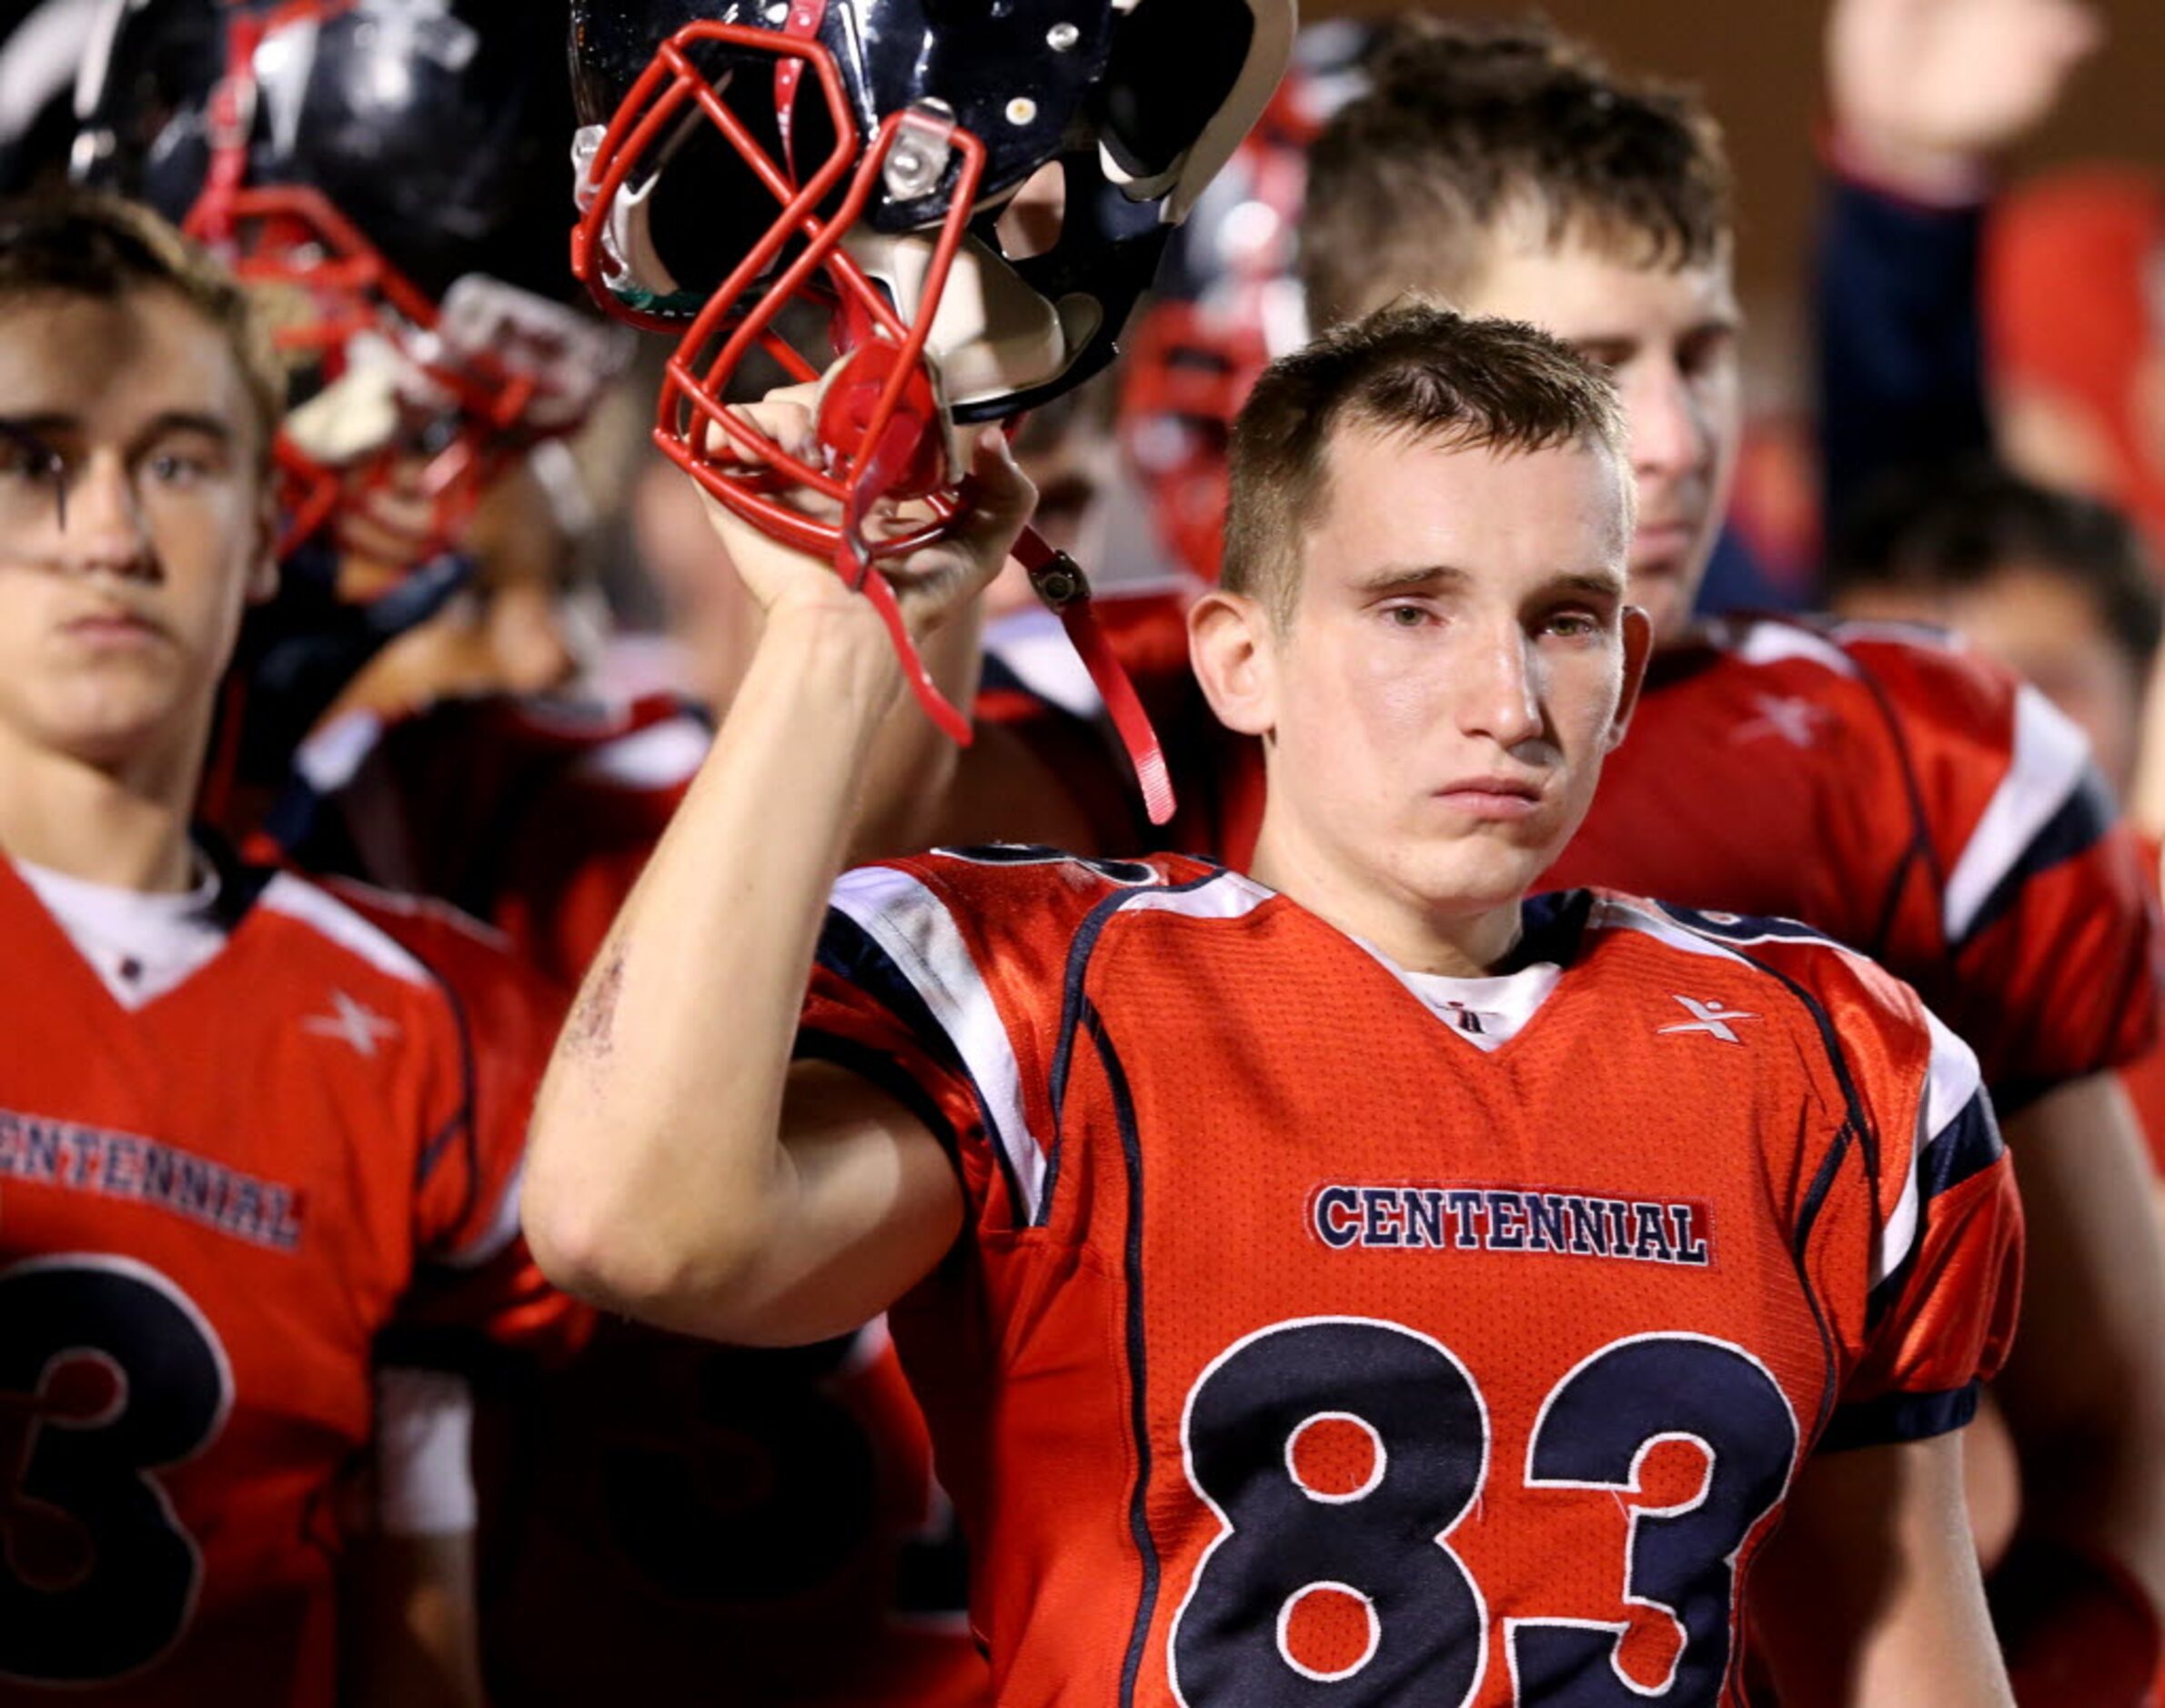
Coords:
pixel 1059 581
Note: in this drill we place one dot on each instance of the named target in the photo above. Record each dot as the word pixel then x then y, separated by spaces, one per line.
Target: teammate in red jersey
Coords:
pixel 1350 1274
pixel 247 1134
pixel 1912 799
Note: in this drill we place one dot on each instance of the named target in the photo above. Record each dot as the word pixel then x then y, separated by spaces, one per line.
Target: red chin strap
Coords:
pixel 463 417
pixel 880 432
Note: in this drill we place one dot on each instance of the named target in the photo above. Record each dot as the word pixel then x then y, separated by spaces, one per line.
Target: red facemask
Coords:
pixel 881 466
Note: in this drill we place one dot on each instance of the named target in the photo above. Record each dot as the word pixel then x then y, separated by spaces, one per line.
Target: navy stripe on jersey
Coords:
pixel 1080 950
pixel 2079 825
pixel 1895 1418
pixel 1727 934
pixel 1967 1146
pixel 849 952
pixel 1131 1145
pixel 924 947
pixel 1742 927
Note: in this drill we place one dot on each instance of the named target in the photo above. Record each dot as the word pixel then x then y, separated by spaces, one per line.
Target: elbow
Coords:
pixel 642 1261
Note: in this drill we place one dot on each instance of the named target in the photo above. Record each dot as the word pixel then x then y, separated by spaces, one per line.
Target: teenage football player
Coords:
pixel 1349 1273
pixel 1909 799
pixel 248 1136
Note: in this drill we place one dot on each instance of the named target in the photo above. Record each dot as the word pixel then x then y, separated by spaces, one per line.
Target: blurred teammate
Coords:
pixel 1349 1236
pixel 2058 587
pixel 249 1137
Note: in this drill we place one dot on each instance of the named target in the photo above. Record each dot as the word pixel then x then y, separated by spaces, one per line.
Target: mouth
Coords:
pixel 1660 547
pixel 1496 798
pixel 114 625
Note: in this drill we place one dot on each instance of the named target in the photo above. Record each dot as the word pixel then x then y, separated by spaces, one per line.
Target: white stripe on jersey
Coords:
pixel 333 757
pixel 495 1235
pixel 2051 761
pixel 300 900
pixel 658 757
pixel 919 936
pixel 1228 896
pixel 1772 643
pixel 1951 1085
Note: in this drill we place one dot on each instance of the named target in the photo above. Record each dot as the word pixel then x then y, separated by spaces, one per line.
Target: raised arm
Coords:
pixel 1924 97
pixel 681 1170
pixel 1867 1596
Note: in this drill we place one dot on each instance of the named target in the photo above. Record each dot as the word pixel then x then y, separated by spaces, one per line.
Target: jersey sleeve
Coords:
pixel 944 979
pixel 2044 952
pixel 900 996
pixel 1946 1266
pixel 473 1273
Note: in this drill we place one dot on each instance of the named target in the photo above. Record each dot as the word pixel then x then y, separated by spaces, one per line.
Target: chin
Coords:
pixel 112 732
pixel 1461 879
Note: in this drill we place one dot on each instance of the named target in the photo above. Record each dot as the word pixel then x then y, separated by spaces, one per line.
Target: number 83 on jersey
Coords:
pixel 1339 1453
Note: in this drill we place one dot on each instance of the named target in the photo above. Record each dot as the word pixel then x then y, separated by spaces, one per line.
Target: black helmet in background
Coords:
pixel 391 173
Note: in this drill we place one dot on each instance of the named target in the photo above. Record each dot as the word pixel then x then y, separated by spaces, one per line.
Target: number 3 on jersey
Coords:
pixel 107 1372
pixel 1338 1453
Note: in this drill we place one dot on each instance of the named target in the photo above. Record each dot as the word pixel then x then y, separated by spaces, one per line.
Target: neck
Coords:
pixel 1415 932
pixel 125 827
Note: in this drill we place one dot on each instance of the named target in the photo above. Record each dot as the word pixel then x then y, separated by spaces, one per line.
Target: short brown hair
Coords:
pixel 74 242
pixel 1464 124
pixel 1412 370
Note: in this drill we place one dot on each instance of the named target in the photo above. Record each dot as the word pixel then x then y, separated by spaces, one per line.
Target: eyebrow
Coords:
pixel 1604 583
pixel 210 427
pixel 1730 324
pixel 37 427
pixel 1404 579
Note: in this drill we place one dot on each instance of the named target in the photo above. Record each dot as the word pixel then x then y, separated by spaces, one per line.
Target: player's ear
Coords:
pixel 1639 648
pixel 262 570
pixel 1231 643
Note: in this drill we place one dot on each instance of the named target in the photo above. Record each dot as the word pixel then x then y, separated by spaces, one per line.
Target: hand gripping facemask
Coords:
pixel 838 193
pixel 385 174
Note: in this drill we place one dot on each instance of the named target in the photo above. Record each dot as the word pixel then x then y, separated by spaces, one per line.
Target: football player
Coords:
pixel 247 1139
pixel 1349 1274
pixel 1912 799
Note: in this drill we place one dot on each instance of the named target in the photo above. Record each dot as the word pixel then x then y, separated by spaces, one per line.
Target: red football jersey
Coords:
pixel 211 1207
pixel 510 1016
pixel 1316 1322
pixel 660 1507
pixel 1900 793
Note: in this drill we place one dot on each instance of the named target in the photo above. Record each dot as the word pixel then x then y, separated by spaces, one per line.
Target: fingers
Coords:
pixel 999 494
pixel 783 415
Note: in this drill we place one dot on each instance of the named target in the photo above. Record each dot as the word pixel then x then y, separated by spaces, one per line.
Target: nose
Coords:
pixel 1502 685
pixel 1669 433
pixel 104 527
